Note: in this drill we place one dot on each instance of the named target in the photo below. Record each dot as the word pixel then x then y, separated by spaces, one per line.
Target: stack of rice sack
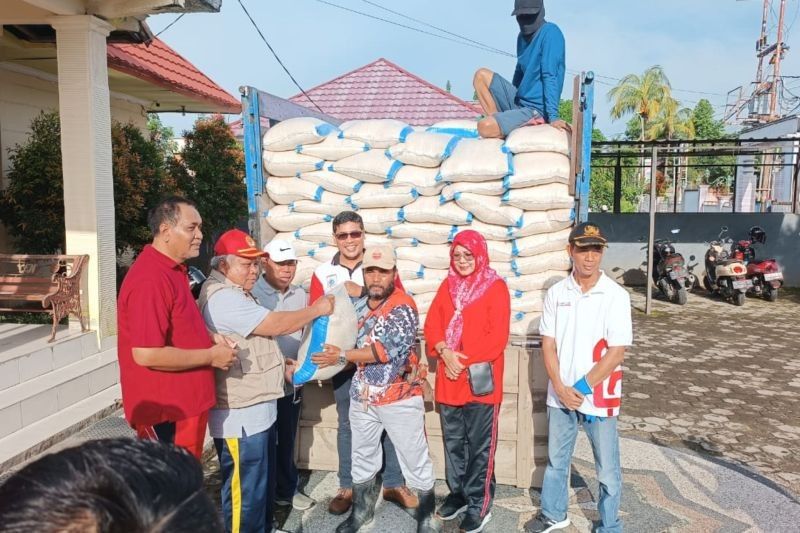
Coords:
pixel 416 188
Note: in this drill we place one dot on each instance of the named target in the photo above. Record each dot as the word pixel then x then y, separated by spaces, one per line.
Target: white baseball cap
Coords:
pixel 280 250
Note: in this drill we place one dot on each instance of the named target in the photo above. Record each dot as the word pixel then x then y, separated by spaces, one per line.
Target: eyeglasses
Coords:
pixel 467 258
pixel 353 235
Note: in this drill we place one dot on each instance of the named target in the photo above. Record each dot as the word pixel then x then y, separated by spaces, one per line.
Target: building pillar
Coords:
pixel 85 113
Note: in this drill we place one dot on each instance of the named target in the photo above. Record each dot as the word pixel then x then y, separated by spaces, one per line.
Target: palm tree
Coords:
pixel 643 95
pixel 672 122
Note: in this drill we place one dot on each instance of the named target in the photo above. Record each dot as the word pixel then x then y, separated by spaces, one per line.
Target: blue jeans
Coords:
pixel 247 490
pixel 563 430
pixel 391 474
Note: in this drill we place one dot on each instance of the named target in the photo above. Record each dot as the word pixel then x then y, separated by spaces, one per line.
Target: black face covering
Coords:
pixel 530 16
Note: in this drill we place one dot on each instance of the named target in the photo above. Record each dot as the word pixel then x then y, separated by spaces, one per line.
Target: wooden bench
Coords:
pixel 51 281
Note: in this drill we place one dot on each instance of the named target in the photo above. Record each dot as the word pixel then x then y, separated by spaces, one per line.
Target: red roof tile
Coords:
pixel 385 90
pixel 163 66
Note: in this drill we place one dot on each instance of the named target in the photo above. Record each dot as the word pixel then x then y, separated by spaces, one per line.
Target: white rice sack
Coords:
pixel 489 209
pixel 538 168
pixel 477 160
pixel 340 329
pixel 500 251
pixel 377 133
pixel 542 243
pixel 323 255
pixel 429 209
pixel 305 269
pixel 541 198
pixel 462 128
pixel 535 282
pixel 329 204
pixel 491 232
pixel 503 269
pixel 288 190
pixel 423 301
pixel 436 274
pixel 541 263
pixel 289 134
pixel 374 195
pixel 333 148
pixel 281 218
pixel 424 149
pixel 290 163
pixel 525 324
pixel 542 138
pixel 421 286
pixel 534 222
pixel 428 255
pixel 424 180
pixel 371 166
pixel 527 302
pixel 408 270
pixel 321 232
pixel 333 181
pixel 424 232
pixel 384 240
pixel 301 247
pixel 379 220
pixel 488 188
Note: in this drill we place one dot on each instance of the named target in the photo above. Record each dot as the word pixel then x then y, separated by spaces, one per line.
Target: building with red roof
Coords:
pixel 383 89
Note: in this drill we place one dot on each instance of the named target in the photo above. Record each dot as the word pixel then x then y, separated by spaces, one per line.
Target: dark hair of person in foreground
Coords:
pixel 109 486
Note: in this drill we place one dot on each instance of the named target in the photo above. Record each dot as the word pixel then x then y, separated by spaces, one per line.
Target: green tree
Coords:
pixel 642 96
pixel 210 171
pixel 705 125
pixel 32 206
pixel 448 87
pixel 673 122
pixel 565 114
pixel 162 136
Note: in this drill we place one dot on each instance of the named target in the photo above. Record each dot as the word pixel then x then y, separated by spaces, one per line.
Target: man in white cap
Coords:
pixel 275 291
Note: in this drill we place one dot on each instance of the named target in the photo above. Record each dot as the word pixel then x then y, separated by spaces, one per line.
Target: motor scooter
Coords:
pixel 725 275
pixel 765 274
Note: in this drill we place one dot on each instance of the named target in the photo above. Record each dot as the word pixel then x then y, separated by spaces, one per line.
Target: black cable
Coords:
pixel 170 24
pixel 278 59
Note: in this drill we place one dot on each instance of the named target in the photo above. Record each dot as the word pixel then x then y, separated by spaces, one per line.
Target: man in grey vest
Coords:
pixel 243 421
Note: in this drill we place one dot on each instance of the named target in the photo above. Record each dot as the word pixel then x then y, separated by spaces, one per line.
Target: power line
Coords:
pixel 278 59
pixel 168 26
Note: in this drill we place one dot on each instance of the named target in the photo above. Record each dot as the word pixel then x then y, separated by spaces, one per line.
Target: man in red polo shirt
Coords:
pixel 166 354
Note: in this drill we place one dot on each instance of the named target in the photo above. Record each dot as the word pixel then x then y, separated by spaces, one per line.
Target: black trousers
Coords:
pixel 470 442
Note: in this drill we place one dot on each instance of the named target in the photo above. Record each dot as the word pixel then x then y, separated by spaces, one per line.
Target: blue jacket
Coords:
pixel 539 76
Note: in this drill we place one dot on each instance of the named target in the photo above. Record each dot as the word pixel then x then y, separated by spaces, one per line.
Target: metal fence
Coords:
pixel 708 176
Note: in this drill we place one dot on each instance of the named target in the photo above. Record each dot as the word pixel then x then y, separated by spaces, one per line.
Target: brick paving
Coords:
pixel 719 379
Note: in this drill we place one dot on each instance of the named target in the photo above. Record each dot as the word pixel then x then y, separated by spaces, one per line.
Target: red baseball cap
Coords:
pixel 237 242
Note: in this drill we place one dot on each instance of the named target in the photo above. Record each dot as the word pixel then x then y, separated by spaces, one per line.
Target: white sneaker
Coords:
pixel 301 502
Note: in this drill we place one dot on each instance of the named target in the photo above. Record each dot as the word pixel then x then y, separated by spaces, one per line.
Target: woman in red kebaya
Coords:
pixel 467 331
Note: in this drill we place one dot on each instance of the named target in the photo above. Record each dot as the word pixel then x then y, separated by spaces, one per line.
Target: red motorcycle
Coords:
pixel 765 274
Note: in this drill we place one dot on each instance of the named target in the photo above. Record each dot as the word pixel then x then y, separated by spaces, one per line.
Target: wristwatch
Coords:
pixel 342 358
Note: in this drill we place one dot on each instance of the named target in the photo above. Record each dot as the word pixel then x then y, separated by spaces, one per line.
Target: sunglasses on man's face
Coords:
pixel 352 235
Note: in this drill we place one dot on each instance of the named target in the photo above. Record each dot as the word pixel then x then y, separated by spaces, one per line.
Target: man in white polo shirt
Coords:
pixel 585 328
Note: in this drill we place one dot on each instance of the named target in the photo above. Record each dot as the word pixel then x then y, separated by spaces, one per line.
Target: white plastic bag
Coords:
pixel 489 209
pixel 290 133
pixel 339 329
pixel 424 232
pixel 422 179
pixel 429 209
pixel 542 243
pixel 424 149
pixel 288 190
pixel 541 138
pixel 538 168
pixel 428 255
pixel 333 148
pixel 541 198
pixel 290 163
pixel 534 222
pixel 381 133
pixel 374 195
pixel 487 188
pixel 333 181
pixel 371 166
pixel 477 160
pixel 280 218
pixel 541 263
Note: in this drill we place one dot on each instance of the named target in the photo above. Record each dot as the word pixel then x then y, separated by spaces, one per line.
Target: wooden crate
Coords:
pixel 522 446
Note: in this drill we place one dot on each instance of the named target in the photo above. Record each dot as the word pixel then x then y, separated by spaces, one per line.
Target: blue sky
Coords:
pixel 704 45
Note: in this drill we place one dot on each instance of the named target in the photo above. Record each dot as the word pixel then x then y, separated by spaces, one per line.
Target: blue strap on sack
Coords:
pixel 319 332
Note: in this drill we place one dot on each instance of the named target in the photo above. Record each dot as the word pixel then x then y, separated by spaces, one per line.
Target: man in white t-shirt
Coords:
pixel 585 328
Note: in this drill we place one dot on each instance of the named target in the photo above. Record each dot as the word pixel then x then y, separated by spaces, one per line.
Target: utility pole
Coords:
pixel 776 61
